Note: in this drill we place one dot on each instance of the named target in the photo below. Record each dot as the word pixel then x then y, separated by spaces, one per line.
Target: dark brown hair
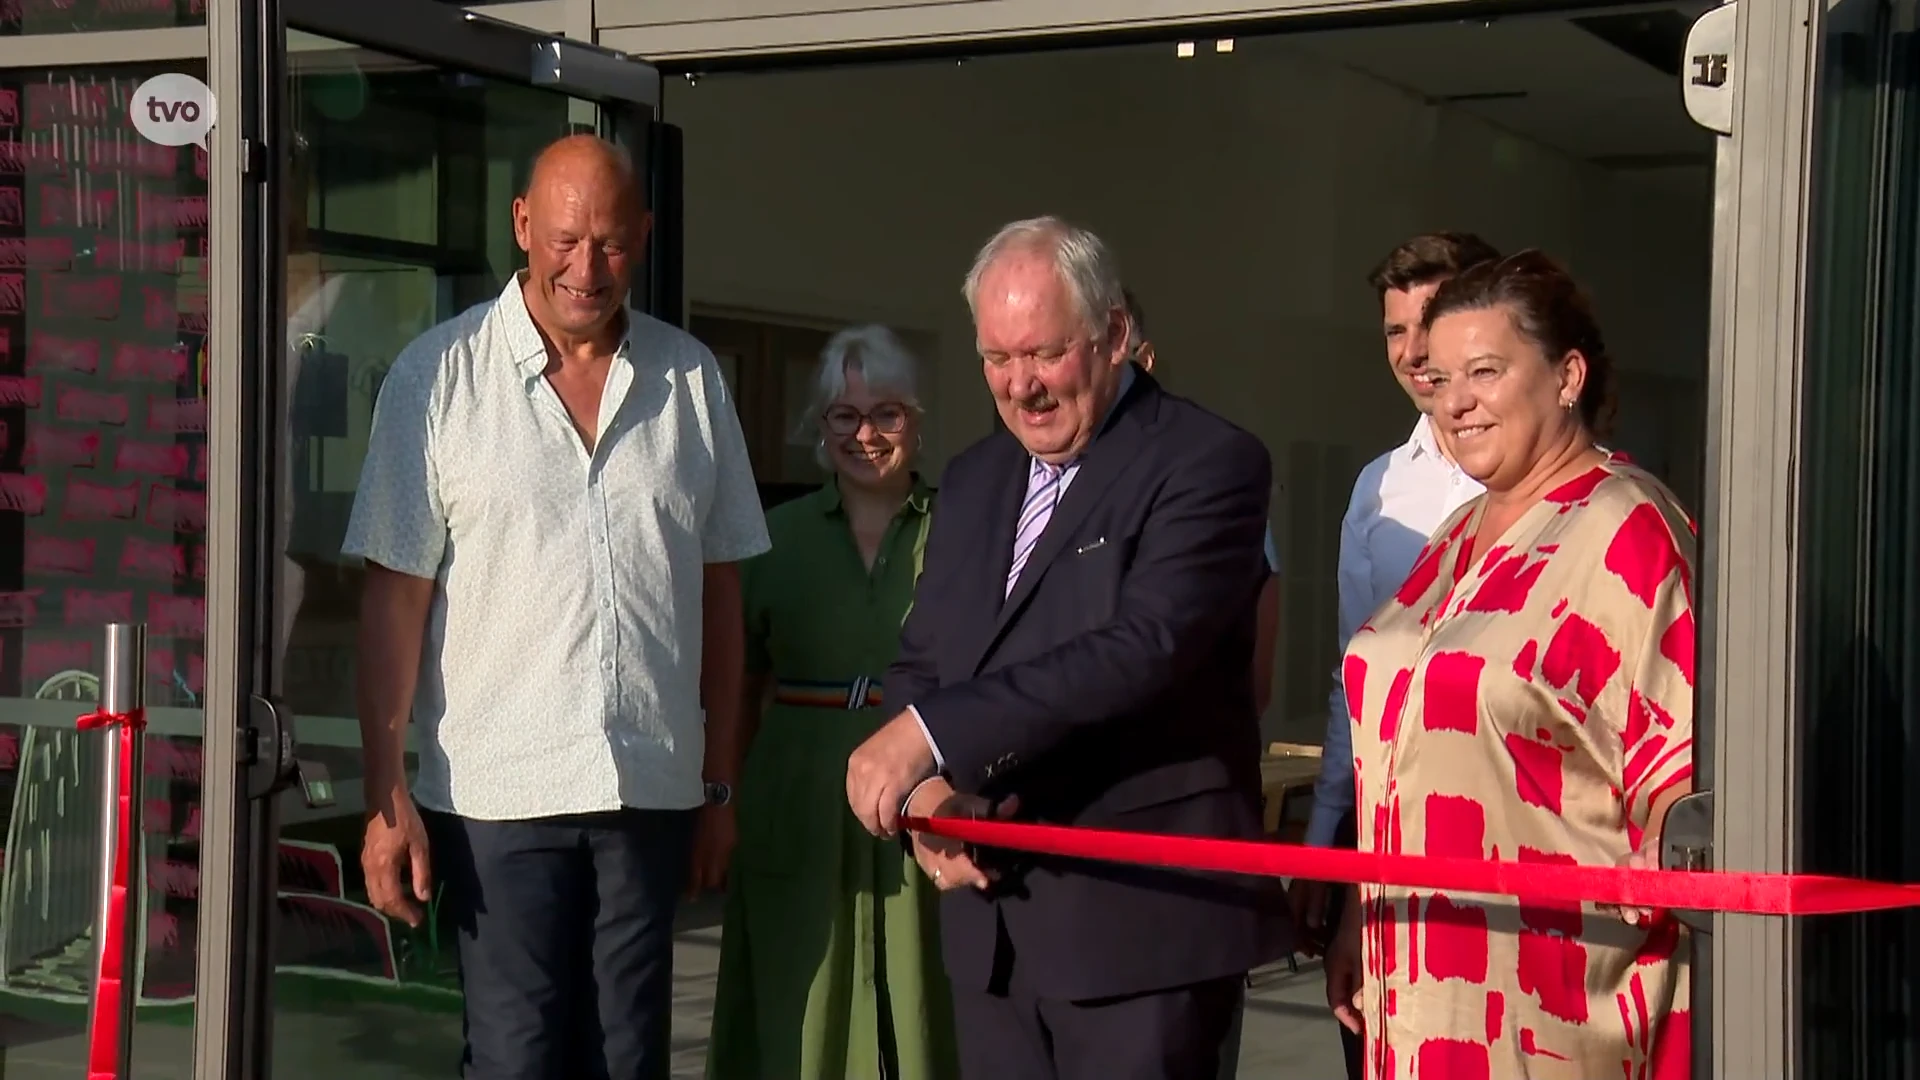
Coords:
pixel 1549 308
pixel 1426 259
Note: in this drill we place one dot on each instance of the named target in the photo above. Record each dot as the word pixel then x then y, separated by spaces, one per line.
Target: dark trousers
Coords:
pixel 1164 1035
pixel 565 932
pixel 1230 1046
pixel 1345 837
pixel 1009 1034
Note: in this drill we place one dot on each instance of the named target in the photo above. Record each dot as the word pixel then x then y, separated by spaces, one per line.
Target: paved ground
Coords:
pixel 1288 1034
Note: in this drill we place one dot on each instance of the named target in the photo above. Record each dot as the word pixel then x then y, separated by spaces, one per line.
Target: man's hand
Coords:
pixel 884 769
pixel 944 860
pixel 1308 902
pixel 1343 967
pixel 714 835
pixel 396 842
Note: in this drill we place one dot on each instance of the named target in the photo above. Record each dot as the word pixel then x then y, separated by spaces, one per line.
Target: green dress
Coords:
pixel 830 953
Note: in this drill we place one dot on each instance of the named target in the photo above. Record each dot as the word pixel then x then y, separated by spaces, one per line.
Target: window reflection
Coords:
pixel 82 16
pixel 1859 641
pixel 103 417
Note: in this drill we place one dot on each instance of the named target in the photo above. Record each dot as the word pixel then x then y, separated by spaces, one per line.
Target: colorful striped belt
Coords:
pixel 861 693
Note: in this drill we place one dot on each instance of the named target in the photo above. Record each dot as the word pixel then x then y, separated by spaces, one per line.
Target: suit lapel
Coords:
pixel 993 556
pixel 997 557
pixel 1111 454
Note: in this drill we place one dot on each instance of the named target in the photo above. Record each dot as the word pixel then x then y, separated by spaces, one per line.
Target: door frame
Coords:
pixel 1750 1014
pixel 244 44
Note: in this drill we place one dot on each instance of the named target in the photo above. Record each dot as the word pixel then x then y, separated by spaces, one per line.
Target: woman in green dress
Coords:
pixel 830 953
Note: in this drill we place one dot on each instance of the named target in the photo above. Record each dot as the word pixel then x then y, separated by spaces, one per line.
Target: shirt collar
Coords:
pixel 918 499
pixel 1422 441
pixel 523 337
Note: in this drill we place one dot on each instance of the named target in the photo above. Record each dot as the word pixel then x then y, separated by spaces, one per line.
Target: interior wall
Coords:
pixel 1247 195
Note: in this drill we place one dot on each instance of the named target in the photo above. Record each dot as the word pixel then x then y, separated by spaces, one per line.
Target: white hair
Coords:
pixel 1086 266
pixel 878 356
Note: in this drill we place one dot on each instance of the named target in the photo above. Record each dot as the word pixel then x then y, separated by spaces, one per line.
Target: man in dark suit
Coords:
pixel 1080 652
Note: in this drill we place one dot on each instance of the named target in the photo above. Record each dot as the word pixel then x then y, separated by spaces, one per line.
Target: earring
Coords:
pixel 1566 403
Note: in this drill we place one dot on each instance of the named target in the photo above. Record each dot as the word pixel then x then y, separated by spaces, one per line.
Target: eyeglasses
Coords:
pixel 887 418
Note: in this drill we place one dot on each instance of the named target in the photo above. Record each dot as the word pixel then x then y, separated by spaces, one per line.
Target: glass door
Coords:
pixel 1860 639
pixel 405 130
pixel 400 179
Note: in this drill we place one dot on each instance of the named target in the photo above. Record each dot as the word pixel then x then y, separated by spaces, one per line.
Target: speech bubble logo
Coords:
pixel 174 109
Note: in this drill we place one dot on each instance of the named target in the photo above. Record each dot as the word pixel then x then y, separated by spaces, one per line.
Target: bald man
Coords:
pixel 555 494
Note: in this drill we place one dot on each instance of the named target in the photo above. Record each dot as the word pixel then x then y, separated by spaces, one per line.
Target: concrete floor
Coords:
pixel 1288 1033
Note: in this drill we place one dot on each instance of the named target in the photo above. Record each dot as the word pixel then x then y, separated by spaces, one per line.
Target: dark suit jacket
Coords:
pixel 1112 689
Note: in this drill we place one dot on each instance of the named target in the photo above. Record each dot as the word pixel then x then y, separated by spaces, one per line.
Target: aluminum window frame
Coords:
pixel 1750 574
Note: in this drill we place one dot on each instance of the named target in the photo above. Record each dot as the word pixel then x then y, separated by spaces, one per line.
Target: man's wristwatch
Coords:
pixel 719 793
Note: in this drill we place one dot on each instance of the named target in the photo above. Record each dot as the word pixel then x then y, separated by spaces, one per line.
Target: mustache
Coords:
pixel 1036 403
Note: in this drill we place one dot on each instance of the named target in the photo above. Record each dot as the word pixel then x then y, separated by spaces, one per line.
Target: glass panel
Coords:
pixel 1860 629
pixel 103 316
pixel 402 185
pixel 81 16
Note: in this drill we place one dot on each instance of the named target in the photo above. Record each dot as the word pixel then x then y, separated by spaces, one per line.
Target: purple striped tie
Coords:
pixel 1043 494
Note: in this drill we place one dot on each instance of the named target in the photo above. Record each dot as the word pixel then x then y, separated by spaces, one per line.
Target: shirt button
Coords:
pixel 605 603
pixel 606 665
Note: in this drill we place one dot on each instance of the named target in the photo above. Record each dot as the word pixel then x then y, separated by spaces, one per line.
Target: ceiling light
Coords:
pixel 1224 45
pixel 1184 50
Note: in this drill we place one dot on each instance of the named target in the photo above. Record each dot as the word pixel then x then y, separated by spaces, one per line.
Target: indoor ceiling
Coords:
pixel 1603 85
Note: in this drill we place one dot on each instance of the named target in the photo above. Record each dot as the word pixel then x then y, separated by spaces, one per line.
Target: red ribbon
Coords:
pixel 1539 883
pixel 112 984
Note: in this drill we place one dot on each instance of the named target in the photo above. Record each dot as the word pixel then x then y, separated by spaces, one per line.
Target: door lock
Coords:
pixel 1686 843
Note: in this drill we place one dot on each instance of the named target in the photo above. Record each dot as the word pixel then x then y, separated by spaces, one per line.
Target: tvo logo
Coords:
pixel 173 110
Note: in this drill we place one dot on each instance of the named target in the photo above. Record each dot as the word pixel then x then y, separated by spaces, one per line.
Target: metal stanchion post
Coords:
pixel 122 690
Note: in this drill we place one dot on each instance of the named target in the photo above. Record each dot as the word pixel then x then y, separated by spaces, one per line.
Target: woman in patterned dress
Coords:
pixel 1528 695
pixel 830 952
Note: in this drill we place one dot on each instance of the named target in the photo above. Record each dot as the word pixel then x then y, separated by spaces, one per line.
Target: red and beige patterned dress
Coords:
pixel 1527 705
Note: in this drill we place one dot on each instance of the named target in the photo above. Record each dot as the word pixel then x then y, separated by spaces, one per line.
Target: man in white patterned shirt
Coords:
pixel 554 497
pixel 1398 500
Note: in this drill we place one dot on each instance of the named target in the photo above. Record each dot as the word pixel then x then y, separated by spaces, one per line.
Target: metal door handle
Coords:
pixel 1686 843
pixel 273 763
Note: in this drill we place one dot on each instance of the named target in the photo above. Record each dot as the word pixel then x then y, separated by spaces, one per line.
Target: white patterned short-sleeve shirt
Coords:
pixel 561 668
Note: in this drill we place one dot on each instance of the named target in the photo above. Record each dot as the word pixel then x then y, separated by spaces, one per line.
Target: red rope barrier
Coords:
pixel 1536 883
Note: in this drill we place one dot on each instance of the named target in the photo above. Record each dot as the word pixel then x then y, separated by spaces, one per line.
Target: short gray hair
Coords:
pixel 877 354
pixel 1086 266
